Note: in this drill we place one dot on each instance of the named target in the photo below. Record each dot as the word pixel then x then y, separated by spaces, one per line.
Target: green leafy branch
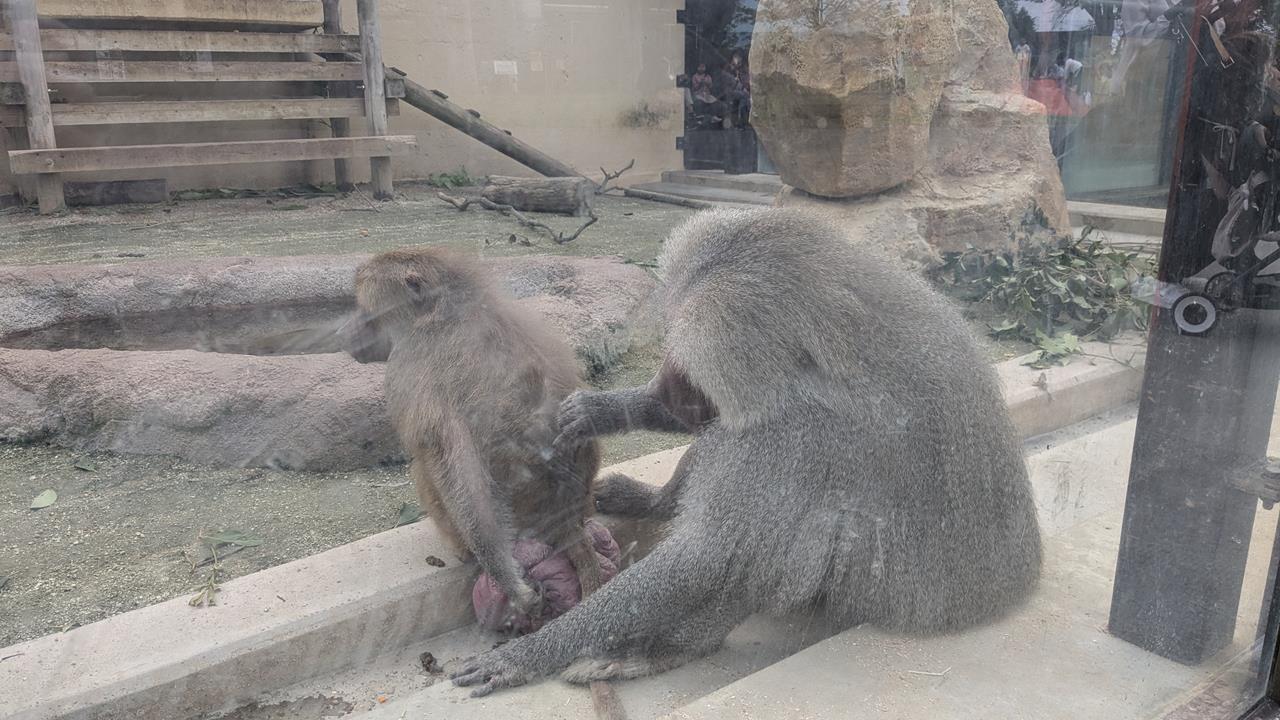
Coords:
pixel 1055 297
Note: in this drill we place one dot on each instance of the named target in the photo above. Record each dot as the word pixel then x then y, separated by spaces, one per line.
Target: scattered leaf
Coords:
pixel 432 560
pixel 3 581
pixel 232 537
pixel 44 499
pixel 86 464
pixel 409 513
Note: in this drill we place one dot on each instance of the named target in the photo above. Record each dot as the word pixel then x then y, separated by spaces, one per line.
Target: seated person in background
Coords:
pixel 702 85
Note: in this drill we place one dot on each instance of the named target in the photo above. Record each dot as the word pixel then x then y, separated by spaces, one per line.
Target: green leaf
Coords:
pixel 1004 327
pixel 85 464
pixel 232 537
pixel 409 513
pixel 44 499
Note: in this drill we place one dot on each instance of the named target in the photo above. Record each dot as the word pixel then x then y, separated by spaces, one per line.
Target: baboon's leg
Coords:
pixel 424 472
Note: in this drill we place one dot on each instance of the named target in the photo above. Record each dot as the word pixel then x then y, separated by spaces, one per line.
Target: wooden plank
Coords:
pixel 338 126
pixel 20 17
pixel 375 92
pixel 437 106
pixel 171 111
pixel 278 13
pixel 189 41
pixel 129 157
pixel 12 116
pixel 104 71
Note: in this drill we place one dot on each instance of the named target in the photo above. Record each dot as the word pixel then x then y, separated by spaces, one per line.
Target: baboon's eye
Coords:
pixel 415 284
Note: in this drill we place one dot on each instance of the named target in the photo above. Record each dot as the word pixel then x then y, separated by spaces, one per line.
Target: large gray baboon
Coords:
pixel 852 452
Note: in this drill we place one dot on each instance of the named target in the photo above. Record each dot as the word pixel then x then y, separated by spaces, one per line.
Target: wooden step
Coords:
pixel 294 14
pixel 174 111
pixel 128 157
pixel 59 39
pixel 108 71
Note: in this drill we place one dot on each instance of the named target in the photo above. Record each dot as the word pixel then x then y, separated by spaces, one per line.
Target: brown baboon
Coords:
pixel 473 385
pixel 852 452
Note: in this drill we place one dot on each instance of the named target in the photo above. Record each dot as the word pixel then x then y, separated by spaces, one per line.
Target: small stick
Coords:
pixel 602 187
pixel 929 674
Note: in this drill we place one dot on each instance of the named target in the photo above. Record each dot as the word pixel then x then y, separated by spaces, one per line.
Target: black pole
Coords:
pixel 1205 412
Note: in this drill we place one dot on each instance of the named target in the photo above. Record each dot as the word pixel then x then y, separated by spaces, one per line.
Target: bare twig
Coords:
pixel 602 187
pixel 929 674
pixel 557 237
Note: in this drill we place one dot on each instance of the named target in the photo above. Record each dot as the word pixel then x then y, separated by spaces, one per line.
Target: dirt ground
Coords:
pixel 115 538
pixel 285 224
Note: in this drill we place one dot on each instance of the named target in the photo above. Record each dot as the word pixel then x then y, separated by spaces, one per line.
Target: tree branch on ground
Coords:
pixel 558 238
pixel 603 187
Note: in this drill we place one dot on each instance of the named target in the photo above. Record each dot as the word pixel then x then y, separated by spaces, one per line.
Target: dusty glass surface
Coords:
pixel 688 358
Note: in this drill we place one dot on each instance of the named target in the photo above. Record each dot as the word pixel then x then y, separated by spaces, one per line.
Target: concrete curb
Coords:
pixel 317 615
pixel 1120 218
pixel 270 629
pixel 1107 376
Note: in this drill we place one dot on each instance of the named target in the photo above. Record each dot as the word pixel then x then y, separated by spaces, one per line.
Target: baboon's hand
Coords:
pixel 503 667
pixel 583 415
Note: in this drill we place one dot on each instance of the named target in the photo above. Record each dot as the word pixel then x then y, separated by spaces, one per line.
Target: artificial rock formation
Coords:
pixel 905 121
pixel 164 359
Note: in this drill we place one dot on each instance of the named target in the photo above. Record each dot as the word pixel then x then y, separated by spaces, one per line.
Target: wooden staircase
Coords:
pixel 281 59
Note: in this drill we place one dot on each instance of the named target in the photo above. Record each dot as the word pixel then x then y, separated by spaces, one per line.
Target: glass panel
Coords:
pixel 700 358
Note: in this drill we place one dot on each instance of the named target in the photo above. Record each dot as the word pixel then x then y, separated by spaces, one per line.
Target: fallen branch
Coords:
pixel 602 187
pixel 665 198
pixel 557 237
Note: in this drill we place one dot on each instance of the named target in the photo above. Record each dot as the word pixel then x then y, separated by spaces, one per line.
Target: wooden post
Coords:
pixel 21 18
pixel 1204 417
pixel 339 127
pixel 375 93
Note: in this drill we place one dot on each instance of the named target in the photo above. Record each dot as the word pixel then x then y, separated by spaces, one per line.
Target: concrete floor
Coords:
pixel 1050 659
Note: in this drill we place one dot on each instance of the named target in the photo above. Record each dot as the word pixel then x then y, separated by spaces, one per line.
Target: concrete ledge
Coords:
pixel 1120 218
pixel 1106 376
pixel 343 607
pixel 270 629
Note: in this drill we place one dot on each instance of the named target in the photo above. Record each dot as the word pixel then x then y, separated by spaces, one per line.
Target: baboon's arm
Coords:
pixel 637 607
pixel 668 403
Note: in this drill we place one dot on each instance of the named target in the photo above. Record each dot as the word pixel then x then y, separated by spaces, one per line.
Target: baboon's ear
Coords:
pixel 424 295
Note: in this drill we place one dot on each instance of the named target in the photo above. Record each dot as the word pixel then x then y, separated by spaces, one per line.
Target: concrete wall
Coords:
pixel 558 75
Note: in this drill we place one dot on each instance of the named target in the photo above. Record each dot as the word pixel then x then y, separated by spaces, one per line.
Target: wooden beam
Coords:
pixel 189 41
pixel 278 13
pixel 173 111
pixel 374 92
pixel 339 126
pixel 110 71
pixel 129 157
pixel 20 17
pixel 435 105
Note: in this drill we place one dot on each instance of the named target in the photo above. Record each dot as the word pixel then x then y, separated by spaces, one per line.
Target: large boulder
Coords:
pixel 920 141
pixel 184 357
pixel 842 95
